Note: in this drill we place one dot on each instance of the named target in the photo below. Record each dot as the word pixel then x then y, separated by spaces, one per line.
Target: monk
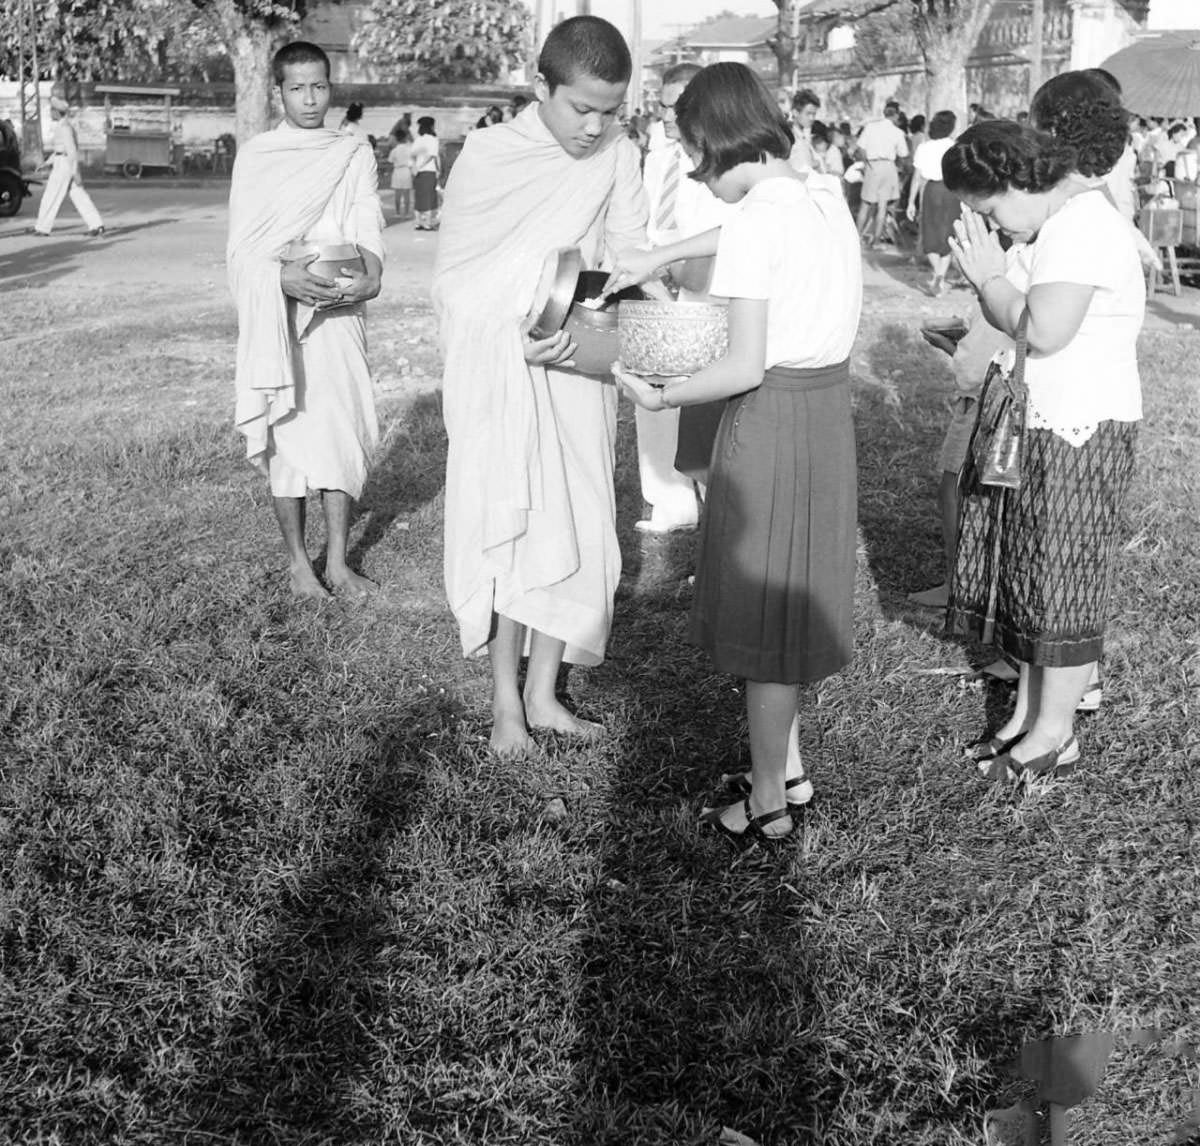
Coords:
pixel 304 398
pixel 531 557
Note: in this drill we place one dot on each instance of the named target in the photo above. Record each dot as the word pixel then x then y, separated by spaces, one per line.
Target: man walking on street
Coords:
pixel 64 176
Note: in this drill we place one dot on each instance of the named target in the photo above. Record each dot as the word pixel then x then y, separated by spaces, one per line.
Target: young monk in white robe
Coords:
pixel 530 511
pixel 304 398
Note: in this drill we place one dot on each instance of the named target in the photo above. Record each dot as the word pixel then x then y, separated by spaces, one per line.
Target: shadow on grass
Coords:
pixel 410 475
pixel 300 1044
pixel 900 421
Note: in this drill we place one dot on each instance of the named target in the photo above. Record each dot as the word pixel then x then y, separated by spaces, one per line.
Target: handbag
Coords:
pixel 997 444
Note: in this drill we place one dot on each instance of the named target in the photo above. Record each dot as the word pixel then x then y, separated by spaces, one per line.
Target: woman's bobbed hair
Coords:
pixel 728 116
pixel 1084 110
pixel 995 155
pixel 942 125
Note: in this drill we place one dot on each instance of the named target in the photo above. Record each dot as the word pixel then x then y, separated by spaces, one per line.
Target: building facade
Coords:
pixel 882 60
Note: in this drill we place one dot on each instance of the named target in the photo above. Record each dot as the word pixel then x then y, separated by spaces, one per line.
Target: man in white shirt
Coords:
pixel 64 180
pixel 679 208
pixel 883 144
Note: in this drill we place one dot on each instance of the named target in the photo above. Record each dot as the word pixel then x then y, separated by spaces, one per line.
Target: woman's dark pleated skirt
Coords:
pixel 775 576
pixel 939 209
pixel 1046 549
pixel 425 191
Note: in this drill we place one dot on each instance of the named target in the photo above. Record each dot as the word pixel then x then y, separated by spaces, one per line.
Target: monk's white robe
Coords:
pixel 530 508
pixel 304 399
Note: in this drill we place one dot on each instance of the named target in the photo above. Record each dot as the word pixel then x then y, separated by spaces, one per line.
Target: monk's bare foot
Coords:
pixel 936 598
pixel 509 737
pixel 305 585
pixel 352 584
pixel 552 716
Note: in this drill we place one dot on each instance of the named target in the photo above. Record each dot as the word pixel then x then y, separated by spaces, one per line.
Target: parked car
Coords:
pixel 14 186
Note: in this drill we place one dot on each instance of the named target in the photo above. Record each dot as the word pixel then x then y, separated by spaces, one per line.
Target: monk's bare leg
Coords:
pixel 290 513
pixel 542 706
pixel 509 732
pixel 336 503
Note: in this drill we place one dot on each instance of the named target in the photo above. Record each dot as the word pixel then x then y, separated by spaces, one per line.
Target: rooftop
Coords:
pixel 738 32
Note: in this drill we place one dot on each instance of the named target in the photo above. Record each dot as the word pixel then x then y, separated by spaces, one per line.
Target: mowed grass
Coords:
pixel 260 881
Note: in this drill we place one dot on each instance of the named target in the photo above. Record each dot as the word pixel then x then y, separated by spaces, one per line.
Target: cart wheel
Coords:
pixel 132 168
pixel 11 194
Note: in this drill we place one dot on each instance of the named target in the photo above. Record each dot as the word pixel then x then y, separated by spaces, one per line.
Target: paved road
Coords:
pixel 174 235
pixel 160 235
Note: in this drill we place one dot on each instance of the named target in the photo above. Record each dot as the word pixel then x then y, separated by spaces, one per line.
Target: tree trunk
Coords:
pixel 251 55
pixel 784 44
pixel 947 34
pixel 248 39
pixel 946 79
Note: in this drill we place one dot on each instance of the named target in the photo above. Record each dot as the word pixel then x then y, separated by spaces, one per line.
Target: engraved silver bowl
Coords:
pixel 671 338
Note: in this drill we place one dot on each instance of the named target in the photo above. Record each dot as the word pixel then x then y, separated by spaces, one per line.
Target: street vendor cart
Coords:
pixel 139 128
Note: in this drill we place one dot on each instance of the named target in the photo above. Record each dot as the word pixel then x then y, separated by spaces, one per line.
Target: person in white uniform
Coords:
pixel 64 176
pixel 679 208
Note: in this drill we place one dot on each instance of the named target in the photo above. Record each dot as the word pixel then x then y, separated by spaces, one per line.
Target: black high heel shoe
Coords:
pixel 753 833
pixel 1055 764
pixel 983 752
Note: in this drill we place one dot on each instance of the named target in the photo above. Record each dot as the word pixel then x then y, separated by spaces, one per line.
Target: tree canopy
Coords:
pixel 446 41
pixel 130 40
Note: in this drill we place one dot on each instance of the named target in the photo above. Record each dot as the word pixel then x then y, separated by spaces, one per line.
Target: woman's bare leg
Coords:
pixel 771 709
pixel 1059 690
pixel 1025 711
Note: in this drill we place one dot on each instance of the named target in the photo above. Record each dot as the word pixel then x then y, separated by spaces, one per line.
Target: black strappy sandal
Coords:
pixel 798 786
pixel 754 833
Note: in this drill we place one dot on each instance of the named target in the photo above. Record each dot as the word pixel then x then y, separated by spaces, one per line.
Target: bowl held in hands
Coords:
pixel 559 305
pixel 672 338
pixel 332 258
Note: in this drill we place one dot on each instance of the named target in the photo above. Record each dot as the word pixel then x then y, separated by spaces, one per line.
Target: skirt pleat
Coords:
pixel 1046 549
pixel 775 575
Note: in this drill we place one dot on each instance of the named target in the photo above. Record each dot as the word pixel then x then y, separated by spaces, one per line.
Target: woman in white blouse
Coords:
pixel 1042 554
pixel 775 571
pixel 939 207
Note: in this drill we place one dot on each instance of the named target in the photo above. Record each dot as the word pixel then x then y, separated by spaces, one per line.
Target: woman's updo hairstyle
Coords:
pixel 1084 110
pixel 995 155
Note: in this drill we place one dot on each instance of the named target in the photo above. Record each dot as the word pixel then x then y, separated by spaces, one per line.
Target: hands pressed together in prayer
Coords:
pixel 298 282
pixel 976 249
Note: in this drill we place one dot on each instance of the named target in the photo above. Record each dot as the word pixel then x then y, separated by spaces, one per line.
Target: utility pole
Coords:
pixel 28 93
pixel 634 97
pixel 1037 20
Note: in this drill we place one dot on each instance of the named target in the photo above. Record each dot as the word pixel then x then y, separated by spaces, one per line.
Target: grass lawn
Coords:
pixel 260 881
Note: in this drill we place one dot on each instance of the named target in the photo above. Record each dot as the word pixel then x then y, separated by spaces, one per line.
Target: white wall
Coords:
pixel 1167 14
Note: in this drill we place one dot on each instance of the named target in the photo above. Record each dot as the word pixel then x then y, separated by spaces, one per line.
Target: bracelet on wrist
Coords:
pixel 991 278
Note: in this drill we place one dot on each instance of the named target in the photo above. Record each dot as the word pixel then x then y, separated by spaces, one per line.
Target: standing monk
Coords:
pixel 304 398
pixel 531 545
pixel 64 176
